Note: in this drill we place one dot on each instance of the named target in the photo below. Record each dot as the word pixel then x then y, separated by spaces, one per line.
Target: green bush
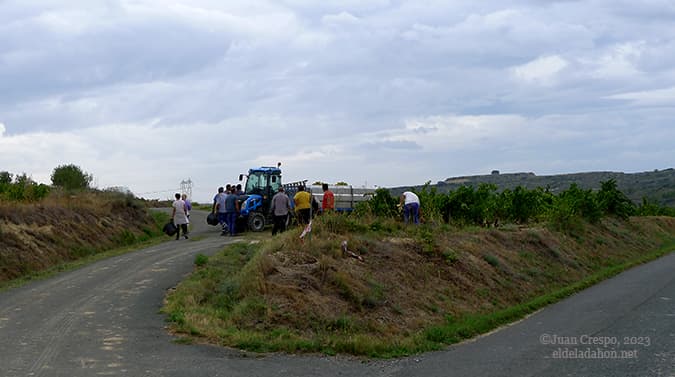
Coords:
pixel 432 203
pixel 614 202
pixel 450 256
pixel 526 204
pixel 71 177
pixel 201 260
pixel 459 206
pixel 580 202
pixel 5 178
pixel 24 189
pixel 491 260
pixel 562 216
pixel 126 238
pixel 652 208
pixel 382 204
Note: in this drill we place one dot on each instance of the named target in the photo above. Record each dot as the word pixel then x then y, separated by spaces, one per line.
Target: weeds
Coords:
pixel 125 238
pixel 345 284
pixel 491 260
pixel 450 256
pixel 201 260
pixel 375 296
pixel 427 239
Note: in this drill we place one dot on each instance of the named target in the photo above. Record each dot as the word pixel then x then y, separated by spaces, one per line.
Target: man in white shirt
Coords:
pixel 411 207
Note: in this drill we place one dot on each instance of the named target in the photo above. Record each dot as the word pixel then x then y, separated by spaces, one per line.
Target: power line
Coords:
pixel 185 188
pixel 158 192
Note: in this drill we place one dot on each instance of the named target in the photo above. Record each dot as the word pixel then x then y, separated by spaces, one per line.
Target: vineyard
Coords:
pixel 657 186
pixel 485 206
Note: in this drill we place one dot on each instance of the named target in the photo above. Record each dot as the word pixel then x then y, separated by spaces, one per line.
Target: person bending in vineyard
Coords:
pixel 411 207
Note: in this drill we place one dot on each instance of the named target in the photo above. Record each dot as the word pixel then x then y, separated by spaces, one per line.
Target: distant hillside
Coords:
pixel 656 185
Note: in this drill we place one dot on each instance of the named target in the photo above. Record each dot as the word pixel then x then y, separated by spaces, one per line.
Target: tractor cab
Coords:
pixel 261 184
pixel 264 181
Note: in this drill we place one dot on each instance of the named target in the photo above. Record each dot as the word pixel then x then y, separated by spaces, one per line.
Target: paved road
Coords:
pixel 103 320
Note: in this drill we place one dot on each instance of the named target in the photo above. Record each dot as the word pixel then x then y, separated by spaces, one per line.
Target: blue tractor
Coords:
pixel 261 185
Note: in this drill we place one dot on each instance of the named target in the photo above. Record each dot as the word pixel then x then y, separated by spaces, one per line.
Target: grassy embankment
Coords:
pixel 417 289
pixel 63 232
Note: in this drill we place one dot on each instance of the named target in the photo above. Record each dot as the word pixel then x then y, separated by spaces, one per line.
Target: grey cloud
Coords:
pixel 126 51
pixel 340 71
pixel 392 145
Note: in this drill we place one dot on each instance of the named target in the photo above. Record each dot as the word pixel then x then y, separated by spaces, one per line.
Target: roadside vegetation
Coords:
pixel 366 284
pixel 47 228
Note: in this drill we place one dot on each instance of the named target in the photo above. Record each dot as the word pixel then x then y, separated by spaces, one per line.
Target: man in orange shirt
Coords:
pixel 328 201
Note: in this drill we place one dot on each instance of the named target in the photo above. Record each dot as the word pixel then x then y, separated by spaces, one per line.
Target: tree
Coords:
pixel 5 177
pixel 71 177
pixel 342 184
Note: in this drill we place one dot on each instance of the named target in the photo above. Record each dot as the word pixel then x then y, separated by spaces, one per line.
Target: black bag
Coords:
pixel 212 219
pixel 170 229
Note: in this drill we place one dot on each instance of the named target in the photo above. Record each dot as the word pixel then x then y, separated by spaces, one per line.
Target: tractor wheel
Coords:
pixel 256 222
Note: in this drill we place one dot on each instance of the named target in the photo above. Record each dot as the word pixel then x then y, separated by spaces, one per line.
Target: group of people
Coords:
pixel 304 204
pixel 181 214
pixel 226 206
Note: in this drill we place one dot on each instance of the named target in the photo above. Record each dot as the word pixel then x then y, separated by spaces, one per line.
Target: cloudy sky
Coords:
pixel 147 93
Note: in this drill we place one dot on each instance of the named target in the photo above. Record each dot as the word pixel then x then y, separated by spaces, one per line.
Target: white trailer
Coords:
pixel 346 197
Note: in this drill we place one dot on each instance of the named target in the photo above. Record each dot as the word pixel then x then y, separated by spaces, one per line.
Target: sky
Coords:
pixel 144 94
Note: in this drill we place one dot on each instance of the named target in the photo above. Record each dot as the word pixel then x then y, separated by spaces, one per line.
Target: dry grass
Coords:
pixel 62 228
pixel 410 279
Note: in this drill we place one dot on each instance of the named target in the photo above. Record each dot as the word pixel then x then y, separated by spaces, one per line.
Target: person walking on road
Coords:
pixel 411 207
pixel 188 204
pixel 280 208
pixel 231 210
pixel 219 209
pixel 180 216
pixel 328 201
pixel 215 199
pixel 188 208
pixel 303 205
